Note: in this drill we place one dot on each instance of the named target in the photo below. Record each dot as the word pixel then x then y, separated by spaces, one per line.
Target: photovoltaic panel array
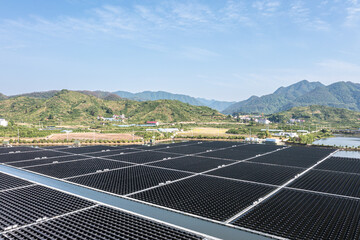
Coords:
pixel 262 173
pixel 5 150
pixel 26 205
pixel 100 223
pixel 186 149
pixel 341 164
pixel 192 163
pixel 143 157
pixel 241 152
pixel 302 215
pixel 8 182
pixel 128 180
pixel 329 182
pixel 69 169
pixel 27 163
pixel 295 156
pixel 87 149
pixel 112 152
pixel 213 198
pixel 37 212
pixel 30 155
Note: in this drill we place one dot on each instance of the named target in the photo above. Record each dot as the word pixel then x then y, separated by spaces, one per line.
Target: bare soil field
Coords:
pixel 93 136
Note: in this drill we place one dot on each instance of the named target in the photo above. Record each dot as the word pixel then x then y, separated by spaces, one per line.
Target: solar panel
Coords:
pixel 276 175
pixel 192 149
pixel 340 164
pixel 100 223
pixel 113 152
pixel 300 215
pixel 26 205
pixel 27 163
pixel 69 169
pixel 4 150
pixel 205 196
pixel 29 155
pixel 329 182
pixel 142 157
pixel 295 156
pixel 241 152
pixel 192 163
pixel 8 182
pixel 87 149
pixel 127 180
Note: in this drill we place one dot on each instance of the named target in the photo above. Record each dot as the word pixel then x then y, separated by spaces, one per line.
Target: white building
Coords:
pixel 263 121
pixel 3 122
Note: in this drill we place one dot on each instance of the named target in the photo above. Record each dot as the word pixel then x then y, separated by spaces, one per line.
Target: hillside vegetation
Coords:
pixel 78 108
pixel 304 93
pixel 318 114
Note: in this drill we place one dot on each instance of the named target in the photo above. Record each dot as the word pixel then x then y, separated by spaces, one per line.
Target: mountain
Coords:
pixel 304 93
pixel 318 114
pixel 75 107
pixel 2 96
pixel 44 95
pixel 151 96
pixel 102 95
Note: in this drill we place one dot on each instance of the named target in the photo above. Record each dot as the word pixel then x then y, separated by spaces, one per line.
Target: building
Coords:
pixel 168 130
pixel 3 122
pixel 155 123
pixel 263 121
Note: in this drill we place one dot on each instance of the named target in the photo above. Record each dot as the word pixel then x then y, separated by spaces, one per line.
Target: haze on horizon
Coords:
pixel 224 50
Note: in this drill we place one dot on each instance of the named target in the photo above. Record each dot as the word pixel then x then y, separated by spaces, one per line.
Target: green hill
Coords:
pixel 78 108
pixel 318 114
pixel 304 93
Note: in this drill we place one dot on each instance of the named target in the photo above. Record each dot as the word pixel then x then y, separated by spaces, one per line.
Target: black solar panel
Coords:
pixel 329 182
pixel 26 163
pixel 159 146
pixel 69 169
pixel 192 149
pixel 29 155
pixel 220 144
pixel 142 157
pixel 295 156
pixel 192 163
pixel 127 180
pixel 276 175
pixel 242 152
pixel 87 149
pixel 26 205
pixel 339 164
pixel 113 152
pixel 8 182
pixel 4 150
pixel 210 197
pixel 300 215
pixel 100 223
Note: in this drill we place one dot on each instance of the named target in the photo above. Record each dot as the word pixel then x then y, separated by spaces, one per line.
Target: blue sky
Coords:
pixel 226 50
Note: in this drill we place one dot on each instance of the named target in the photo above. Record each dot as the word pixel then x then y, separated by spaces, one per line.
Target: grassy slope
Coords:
pixel 75 107
pixel 321 114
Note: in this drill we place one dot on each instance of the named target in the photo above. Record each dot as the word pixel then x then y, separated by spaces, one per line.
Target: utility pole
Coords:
pixel 18 136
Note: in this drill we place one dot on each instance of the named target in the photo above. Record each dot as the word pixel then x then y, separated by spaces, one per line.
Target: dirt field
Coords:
pixel 206 132
pixel 92 136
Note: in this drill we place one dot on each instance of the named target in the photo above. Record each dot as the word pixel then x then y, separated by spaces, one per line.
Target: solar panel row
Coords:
pixel 37 212
pixel 8 182
pixel 100 223
pixel 128 180
pixel 329 182
pixel 295 156
pixel 339 164
pixel 301 215
pixel 213 198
